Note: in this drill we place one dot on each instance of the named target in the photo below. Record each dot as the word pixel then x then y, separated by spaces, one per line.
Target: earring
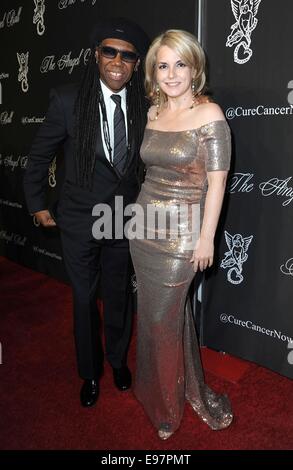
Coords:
pixel 193 93
pixel 158 101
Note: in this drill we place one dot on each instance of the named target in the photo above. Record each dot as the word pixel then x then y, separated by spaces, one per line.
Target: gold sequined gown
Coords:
pixel 169 368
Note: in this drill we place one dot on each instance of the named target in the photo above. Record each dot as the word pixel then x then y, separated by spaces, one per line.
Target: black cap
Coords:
pixel 124 29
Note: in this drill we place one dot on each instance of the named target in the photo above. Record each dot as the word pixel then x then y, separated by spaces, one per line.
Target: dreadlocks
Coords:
pixel 89 99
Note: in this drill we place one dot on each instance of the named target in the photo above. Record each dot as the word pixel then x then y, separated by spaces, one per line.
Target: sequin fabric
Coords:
pixel 169 370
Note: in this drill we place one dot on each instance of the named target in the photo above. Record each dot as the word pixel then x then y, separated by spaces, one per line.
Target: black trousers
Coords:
pixel 88 263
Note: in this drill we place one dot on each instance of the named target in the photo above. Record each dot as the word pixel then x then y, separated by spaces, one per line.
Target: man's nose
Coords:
pixel 118 59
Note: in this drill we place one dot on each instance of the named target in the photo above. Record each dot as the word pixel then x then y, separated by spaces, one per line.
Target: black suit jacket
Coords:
pixel 58 130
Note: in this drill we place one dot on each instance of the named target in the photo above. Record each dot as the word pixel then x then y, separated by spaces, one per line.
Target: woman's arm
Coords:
pixel 204 249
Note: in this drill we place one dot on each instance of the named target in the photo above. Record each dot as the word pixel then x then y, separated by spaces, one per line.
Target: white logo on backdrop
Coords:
pixel 260 110
pixel 9 162
pixel 236 256
pixel 38 17
pixel 287 268
pixel 275 334
pixel 10 18
pixel 278 187
pixel 66 61
pixel 244 183
pixel 14 238
pixel 245 12
pixel 23 70
pixel 240 183
pixel 42 251
pixel 67 3
pixel 32 120
pixel 6 117
pixel 52 173
pixel 13 204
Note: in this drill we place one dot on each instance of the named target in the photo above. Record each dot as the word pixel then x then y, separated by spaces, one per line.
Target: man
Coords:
pixel 100 125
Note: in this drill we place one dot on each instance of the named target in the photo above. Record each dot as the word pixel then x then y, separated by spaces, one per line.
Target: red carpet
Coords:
pixel 39 397
pixel 223 365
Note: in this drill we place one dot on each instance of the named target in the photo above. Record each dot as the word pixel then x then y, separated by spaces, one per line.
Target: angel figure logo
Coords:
pixel 236 256
pixel 38 17
pixel 23 70
pixel 245 12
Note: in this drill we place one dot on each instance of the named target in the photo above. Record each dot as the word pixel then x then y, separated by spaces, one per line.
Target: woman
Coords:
pixel 186 150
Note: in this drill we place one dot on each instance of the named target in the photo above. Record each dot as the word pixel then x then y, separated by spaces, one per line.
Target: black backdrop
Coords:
pixel 249 297
pixel 53 39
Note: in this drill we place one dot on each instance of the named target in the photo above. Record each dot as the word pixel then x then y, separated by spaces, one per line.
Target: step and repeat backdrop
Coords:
pixel 248 298
pixel 43 44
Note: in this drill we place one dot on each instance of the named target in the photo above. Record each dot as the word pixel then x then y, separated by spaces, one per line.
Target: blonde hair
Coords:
pixel 190 52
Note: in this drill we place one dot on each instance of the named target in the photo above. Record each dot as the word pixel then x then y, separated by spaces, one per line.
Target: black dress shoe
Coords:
pixel 89 392
pixel 122 378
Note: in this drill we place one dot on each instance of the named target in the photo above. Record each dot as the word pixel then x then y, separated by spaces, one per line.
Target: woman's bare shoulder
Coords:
pixel 209 111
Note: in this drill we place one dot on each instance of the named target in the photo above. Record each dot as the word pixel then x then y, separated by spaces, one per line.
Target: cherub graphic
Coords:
pixel 236 256
pixel 245 12
pixel 38 17
pixel 23 70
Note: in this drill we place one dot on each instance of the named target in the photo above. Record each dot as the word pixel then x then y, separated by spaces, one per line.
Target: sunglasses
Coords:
pixel 111 52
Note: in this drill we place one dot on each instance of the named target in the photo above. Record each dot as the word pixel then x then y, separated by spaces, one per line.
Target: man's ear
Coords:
pixel 97 55
pixel 136 65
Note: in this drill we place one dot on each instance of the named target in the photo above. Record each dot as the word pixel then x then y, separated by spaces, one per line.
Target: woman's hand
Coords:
pixel 203 254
